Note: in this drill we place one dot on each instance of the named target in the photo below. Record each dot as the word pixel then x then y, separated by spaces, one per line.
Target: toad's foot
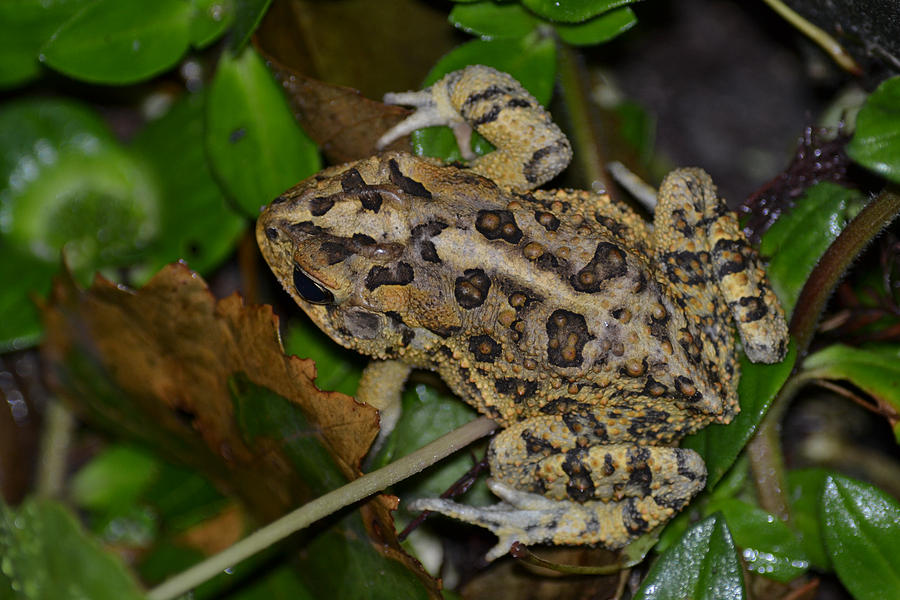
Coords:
pixel 534 519
pixel 433 108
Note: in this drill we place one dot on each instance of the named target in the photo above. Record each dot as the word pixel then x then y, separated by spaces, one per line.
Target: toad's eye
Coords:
pixel 310 290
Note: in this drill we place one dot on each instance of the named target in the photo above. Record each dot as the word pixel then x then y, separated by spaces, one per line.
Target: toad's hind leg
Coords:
pixel 566 479
pixel 700 249
pixel 530 148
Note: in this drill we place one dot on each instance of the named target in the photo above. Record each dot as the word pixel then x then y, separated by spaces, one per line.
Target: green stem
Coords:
pixel 582 132
pixel 834 263
pixel 817 35
pixel 766 458
pixel 323 506
pixel 55 439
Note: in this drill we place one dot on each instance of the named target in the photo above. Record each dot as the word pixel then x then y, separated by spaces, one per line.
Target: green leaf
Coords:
pixel 285 422
pixel 805 487
pixel 198 225
pixel 720 444
pixel 22 275
pixel 248 15
pixel 572 11
pixel 531 60
pixel 599 29
pixel 281 584
pixel 770 547
pixel 798 239
pixel 637 128
pixel 116 476
pixel 875 369
pixel 876 142
pixel 46 556
pixel 702 565
pixel 210 20
pixel 861 527
pixel 493 20
pixel 24 27
pixel 255 145
pixel 66 183
pixel 117 42
pixel 181 497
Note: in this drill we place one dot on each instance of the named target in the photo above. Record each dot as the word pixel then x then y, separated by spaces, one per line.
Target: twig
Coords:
pixel 323 506
pixel 825 41
pixel 55 440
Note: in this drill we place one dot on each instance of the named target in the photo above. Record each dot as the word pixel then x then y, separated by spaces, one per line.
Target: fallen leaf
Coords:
pixel 206 383
pixel 164 356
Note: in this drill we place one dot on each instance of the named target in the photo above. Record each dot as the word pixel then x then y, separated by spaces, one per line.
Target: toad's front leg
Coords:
pixel 530 148
pixel 568 488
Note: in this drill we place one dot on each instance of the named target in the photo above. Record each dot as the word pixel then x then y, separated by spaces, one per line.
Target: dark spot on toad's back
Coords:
pixel 471 289
pixel 484 348
pixel 498 224
pixel 407 184
pixel 396 274
pixel 567 333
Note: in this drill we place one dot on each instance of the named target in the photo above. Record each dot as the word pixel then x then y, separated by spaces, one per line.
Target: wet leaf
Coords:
pixel 770 547
pixel 835 262
pixel 492 20
pixel 22 275
pixel 874 369
pixel 572 11
pixel 805 490
pixel 24 27
pixel 281 584
pixel 797 240
pixel 702 565
pixel 599 29
pixel 116 42
pixel 210 20
pixel 861 527
pixel 46 556
pixel 876 142
pixel 255 146
pixel 335 95
pixel 427 415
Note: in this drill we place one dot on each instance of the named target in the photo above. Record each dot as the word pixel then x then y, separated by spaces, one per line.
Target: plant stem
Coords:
pixel 578 106
pixel 817 35
pixel 331 502
pixel 55 440
pixel 766 458
pixel 858 233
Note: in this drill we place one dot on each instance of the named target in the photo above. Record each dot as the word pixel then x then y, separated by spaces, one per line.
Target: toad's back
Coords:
pixel 522 302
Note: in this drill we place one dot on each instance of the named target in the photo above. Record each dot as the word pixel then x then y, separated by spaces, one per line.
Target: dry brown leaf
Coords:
pixel 317 49
pixel 156 365
pixel 375 47
pixel 343 123
pixel 216 533
pixel 167 352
